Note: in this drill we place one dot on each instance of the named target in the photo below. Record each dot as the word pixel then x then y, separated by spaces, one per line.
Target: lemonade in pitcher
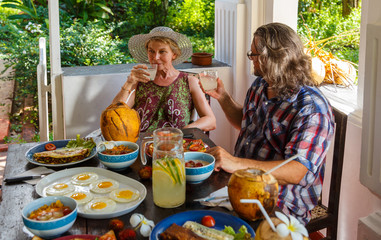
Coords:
pixel 168 182
pixel 168 168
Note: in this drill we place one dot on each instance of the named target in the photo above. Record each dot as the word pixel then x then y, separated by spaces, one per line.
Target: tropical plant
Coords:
pixel 85 10
pixel 323 19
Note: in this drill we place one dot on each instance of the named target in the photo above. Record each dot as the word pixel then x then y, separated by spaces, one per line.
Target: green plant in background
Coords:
pixel 193 18
pixel 324 20
pixel 26 8
pixel 86 10
pixel 90 45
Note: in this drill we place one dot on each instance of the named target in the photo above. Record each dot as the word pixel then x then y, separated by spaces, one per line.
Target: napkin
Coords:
pixel 34 172
pixel 219 198
pixel 96 135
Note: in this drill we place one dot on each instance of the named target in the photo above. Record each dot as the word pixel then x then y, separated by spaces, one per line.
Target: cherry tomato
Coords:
pixel 66 211
pixel 116 225
pixel 198 164
pixel 208 221
pixel 145 172
pixel 50 146
pixel 127 234
pixel 194 147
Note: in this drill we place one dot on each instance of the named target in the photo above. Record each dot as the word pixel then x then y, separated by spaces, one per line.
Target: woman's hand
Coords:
pixel 224 160
pixel 138 74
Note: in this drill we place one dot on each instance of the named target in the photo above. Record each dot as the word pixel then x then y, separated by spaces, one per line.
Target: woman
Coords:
pixel 169 99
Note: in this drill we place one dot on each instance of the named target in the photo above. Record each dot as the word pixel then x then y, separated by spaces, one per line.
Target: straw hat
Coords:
pixel 137 48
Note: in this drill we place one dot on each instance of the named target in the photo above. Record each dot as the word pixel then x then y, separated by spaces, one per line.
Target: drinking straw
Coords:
pixel 283 163
pixel 130 95
pixel 262 210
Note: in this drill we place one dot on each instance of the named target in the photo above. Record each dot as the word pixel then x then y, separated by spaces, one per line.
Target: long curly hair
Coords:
pixel 282 60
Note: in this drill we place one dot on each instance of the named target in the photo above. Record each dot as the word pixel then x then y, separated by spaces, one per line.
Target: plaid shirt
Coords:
pixel 274 129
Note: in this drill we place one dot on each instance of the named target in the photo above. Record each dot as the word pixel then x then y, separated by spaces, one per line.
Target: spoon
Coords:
pixel 283 163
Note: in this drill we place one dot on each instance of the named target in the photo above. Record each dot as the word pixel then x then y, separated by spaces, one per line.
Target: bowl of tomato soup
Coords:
pixel 198 166
pixel 49 217
pixel 117 155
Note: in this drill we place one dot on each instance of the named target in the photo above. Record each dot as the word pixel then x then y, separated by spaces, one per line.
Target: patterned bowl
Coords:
pixel 117 162
pixel 198 174
pixel 52 228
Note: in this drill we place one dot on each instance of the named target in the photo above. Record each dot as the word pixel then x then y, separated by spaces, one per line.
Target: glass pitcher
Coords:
pixel 168 167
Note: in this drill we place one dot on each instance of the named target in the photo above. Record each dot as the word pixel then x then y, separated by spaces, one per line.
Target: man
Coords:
pixel 283 115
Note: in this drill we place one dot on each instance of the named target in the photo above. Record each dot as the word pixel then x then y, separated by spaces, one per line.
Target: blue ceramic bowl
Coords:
pixel 198 174
pixel 52 228
pixel 118 162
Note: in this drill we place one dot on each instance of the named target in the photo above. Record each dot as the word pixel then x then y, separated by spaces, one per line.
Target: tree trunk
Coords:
pixel 348 5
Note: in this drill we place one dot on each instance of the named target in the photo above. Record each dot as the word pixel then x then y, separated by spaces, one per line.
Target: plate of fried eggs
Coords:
pixel 100 193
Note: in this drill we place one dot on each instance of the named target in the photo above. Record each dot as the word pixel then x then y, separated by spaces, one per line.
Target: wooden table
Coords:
pixel 16 196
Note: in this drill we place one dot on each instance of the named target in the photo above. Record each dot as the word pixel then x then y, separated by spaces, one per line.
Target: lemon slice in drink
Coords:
pixel 181 169
pixel 162 177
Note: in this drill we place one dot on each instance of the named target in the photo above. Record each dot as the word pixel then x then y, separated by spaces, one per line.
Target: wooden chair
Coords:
pixel 327 216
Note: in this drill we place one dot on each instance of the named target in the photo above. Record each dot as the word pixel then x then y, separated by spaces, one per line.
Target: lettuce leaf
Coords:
pixel 242 233
pixel 81 142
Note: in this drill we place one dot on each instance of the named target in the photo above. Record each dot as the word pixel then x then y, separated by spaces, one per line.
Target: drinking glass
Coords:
pixel 168 168
pixel 208 79
pixel 152 68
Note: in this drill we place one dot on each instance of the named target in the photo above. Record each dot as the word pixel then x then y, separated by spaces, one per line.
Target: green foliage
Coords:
pixel 26 9
pixel 194 17
pixel 205 44
pixel 324 19
pixel 90 45
pixel 14 139
pixel 86 10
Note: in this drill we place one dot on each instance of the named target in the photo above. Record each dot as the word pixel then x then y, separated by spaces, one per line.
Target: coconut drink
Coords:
pixel 252 184
pixel 286 228
pixel 280 227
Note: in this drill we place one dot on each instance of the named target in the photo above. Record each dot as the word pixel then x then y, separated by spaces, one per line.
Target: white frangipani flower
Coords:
pixel 138 220
pixel 290 226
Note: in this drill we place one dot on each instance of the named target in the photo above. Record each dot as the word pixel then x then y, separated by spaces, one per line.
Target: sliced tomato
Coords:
pixel 208 221
pixel 50 147
pixel 195 147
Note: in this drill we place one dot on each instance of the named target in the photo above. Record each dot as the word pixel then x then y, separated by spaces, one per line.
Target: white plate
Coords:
pixel 121 208
pixel 58 144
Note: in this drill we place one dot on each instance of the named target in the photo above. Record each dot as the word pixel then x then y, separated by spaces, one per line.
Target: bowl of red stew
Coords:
pixel 50 217
pixel 198 166
pixel 117 155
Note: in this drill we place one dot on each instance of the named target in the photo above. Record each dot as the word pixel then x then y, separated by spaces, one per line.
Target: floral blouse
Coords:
pixel 164 106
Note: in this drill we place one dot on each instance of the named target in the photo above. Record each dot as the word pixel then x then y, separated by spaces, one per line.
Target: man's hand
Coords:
pixel 219 92
pixel 224 160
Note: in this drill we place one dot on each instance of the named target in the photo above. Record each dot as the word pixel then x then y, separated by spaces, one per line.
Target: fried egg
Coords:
pixel 59 189
pixel 81 197
pixel 104 185
pixel 100 205
pixel 85 178
pixel 124 195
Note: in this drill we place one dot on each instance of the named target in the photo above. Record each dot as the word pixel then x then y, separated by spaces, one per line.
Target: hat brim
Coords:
pixel 136 46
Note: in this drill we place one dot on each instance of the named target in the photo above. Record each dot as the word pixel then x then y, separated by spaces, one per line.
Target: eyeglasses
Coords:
pixel 251 55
